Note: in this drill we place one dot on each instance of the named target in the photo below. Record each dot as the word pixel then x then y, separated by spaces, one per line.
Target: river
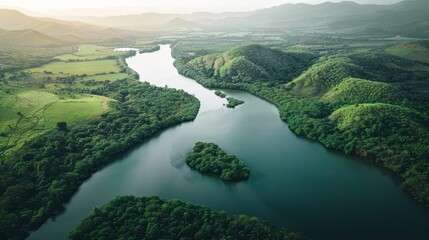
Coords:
pixel 294 182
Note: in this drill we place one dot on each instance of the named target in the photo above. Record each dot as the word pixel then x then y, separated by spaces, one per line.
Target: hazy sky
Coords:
pixel 163 5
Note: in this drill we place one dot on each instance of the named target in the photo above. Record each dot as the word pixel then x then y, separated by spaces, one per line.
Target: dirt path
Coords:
pixel 105 105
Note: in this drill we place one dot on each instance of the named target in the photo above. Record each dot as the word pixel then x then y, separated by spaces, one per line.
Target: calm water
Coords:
pixel 294 182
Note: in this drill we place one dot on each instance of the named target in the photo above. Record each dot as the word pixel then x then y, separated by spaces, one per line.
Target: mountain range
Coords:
pixel 409 18
pixel 67 31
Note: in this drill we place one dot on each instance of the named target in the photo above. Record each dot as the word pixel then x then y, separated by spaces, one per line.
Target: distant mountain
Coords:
pixel 15 20
pixel 180 23
pixel 408 18
pixel 27 38
pixel 152 21
pixel 299 16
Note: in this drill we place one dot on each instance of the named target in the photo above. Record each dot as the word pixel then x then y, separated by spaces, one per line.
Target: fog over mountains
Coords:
pixel 409 18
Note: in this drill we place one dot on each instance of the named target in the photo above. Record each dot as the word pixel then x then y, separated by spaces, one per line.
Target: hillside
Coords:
pixel 366 103
pixel 15 20
pixel 252 63
pixel 354 91
pixel 29 38
pixel 418 51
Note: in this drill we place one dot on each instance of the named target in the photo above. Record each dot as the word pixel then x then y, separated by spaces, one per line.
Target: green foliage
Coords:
pixel 418 51
pixel 321 77
pixel 251 63
pixel 355 90
pixel 153 218
pixel 39 111
pixel 232 102
pixel 42 175
pixel 90 52
pixel 220 94
pixel 209 158
pixel 384 119
pixel 79 68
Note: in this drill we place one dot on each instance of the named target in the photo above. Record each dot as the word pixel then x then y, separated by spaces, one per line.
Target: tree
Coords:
pixel 62 126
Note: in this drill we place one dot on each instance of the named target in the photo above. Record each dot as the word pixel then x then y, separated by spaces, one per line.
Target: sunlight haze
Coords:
pixel 170 6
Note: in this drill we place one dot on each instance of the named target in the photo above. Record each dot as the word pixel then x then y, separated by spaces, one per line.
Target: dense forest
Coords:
pixel 209 158
pixel 39 177
pixel 366 103
pixel 153 218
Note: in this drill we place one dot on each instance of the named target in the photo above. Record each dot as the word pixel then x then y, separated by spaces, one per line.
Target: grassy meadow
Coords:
pixel 29 113
pixel 79 68
pixel 89 52
pixel 34 101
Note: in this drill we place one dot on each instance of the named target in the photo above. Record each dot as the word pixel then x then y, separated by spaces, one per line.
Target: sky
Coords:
pixel 167 6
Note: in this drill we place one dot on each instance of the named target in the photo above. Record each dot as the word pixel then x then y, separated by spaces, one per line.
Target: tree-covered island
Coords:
pixel 209 158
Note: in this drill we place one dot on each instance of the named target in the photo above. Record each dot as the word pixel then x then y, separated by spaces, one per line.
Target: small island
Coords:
pixel 232 102
pixel 220 94
pixel 209 158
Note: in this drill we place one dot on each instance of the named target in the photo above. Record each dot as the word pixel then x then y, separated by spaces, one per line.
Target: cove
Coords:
pixel 294 183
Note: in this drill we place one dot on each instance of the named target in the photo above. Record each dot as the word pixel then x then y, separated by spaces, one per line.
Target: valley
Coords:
pixel 313 118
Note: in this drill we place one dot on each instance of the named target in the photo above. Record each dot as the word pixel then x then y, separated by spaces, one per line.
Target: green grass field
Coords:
pixel 29 113
pixel 110 77
pixel 89 52
pixel 28 110
pixel 79 68
pixel 413 51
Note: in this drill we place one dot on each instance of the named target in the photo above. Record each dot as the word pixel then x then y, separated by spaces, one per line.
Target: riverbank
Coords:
pixel 49 169
pixel 291 177
pixel 371 138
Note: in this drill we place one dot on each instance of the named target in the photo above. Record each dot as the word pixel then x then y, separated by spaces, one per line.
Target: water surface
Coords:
pixel 294 182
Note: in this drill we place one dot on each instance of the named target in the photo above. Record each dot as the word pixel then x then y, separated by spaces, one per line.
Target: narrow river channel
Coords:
pixel 294 182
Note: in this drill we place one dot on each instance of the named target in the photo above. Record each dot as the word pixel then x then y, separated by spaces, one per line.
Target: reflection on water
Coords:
pixel 294 182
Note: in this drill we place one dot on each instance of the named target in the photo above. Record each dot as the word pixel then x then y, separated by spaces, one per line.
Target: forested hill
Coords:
pixel 250 63
pixel 368 103
pixel 152 218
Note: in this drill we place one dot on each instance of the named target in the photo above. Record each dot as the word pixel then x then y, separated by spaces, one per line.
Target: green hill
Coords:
pixel 28 38
pixel 321 77
pixel 251 63
pixel 418 51
pixel 366 103
pixel 379 120
pixel 355 90
pixel 15 20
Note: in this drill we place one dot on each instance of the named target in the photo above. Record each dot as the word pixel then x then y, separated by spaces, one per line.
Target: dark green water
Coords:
pixel 294 182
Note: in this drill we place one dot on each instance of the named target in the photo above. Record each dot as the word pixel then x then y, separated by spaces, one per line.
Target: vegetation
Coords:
pixel 28 113
pixel 87 52
pixel 250 63
pixel 79 68
pixel 67 130
pixel 232 102
pixel 366 103
pixel 209 158
pixel 153 218
pixel 418 51
pixel 220 94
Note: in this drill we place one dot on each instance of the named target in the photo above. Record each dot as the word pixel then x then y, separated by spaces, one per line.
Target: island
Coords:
pixel 232 102
pixel 209 158
pixel 220 94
